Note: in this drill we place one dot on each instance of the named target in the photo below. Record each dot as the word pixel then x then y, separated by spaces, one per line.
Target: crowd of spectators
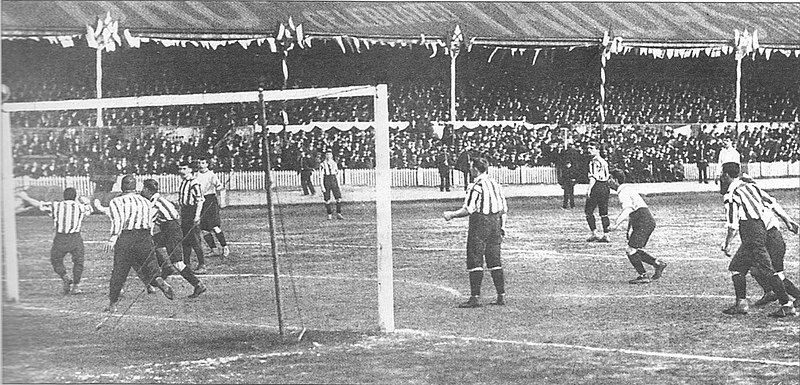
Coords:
pixel 561 88
pixel 649 153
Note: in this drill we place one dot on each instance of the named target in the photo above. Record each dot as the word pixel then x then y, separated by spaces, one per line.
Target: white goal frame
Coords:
pixel 383 199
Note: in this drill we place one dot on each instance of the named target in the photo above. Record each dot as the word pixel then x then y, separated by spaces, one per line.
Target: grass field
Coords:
pixel 571 315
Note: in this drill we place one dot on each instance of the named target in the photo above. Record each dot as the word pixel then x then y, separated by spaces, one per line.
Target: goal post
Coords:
pixel 8 211
pixel 379 94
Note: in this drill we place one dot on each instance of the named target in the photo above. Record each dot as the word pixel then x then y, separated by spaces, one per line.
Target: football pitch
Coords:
pixel 571 316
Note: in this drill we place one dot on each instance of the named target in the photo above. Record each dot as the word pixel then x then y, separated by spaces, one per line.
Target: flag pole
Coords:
pixel 453 90
pixel 99 83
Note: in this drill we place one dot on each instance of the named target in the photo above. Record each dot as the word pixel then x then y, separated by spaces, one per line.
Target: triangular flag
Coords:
pixel 90 37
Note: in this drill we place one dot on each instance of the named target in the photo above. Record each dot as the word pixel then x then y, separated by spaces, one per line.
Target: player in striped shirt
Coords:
pixel 68 216
pixel 210 222
pixel 776 247
pixel 745 215
pixel 190 198
pixel 597 195
pixel 330 185
pixel 640 226
pixel 131 221
pixel 486 206
pixel 168 238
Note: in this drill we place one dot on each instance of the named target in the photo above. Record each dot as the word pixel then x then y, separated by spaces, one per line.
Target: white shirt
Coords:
pixel 209 182
pixel 729 155
pixel 629 198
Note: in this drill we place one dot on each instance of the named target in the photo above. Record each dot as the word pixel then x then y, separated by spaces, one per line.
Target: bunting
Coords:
pixel 105 36
pixel 456 41
pixel 745 43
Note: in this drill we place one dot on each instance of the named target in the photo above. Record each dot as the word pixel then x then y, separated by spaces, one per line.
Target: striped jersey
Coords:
pixel 130 212
pixel 485 196
pixel 744 201
pixel 67 215
pixel 190 193
pixel 209 182
pixel 598 169
pixel 164 210
pixel 329 167
pixel 629 198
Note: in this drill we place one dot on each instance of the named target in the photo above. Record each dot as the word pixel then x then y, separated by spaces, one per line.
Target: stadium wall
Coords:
pixel 423 177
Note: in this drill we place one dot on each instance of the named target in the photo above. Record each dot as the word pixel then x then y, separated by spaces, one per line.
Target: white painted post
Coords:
pixel 8 212
pixel 738 94
pixel 383 204
pixel 99 85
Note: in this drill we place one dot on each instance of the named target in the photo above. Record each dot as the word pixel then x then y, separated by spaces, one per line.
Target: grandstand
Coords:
pixel 552 82
pixel 649 81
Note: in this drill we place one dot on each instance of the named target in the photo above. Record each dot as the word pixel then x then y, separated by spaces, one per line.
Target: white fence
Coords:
pixel 254 180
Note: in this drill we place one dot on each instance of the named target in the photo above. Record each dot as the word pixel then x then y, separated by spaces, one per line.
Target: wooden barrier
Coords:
pixel 254 180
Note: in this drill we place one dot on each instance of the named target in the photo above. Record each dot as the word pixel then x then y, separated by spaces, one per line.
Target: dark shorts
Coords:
pixel 776 247
pixel 752 254
pixel 483 241
pixel 209 218
pixel 330 185
pixel 170 238
pixel 640 225
pixel 598 198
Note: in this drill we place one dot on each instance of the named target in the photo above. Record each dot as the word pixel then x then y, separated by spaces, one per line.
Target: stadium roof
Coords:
pixel 487 23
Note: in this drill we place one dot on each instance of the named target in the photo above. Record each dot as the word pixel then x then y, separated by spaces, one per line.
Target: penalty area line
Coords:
pixel 679 356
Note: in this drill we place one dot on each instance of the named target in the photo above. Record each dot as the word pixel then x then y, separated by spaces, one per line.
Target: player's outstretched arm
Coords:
pixel 33 202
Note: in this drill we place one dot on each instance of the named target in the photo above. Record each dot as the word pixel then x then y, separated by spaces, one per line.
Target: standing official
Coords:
pixel 210 222
pixel 306 166
pixel 597 195
pixel 330 185
pixel 744 208
pixel 485 204
pixel 169 251
pixel 190 198
pixel 640 226
pixel 569 173
pixel 444 163
pixel 68 216
pixel 131 221
pixel 702 159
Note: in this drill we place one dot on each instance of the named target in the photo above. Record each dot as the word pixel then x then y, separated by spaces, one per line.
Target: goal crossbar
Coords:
pixel 379 94
pixel 191 99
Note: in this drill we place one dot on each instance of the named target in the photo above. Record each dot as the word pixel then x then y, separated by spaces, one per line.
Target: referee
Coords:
pixel 330 185
pixel 68 216
pixel 597 196
pixel 131 220
pixel 169 237
pixel 485 204
pixel 190 197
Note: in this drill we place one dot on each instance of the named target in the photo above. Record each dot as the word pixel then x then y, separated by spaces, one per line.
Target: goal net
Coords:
pixel 302 243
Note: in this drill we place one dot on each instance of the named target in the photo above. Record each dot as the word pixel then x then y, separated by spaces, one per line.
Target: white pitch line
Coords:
pixel 467 339
pixel 638 296
pixel 680 356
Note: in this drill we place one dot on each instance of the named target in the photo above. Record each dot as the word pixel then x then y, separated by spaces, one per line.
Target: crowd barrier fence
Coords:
pixel 422 177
